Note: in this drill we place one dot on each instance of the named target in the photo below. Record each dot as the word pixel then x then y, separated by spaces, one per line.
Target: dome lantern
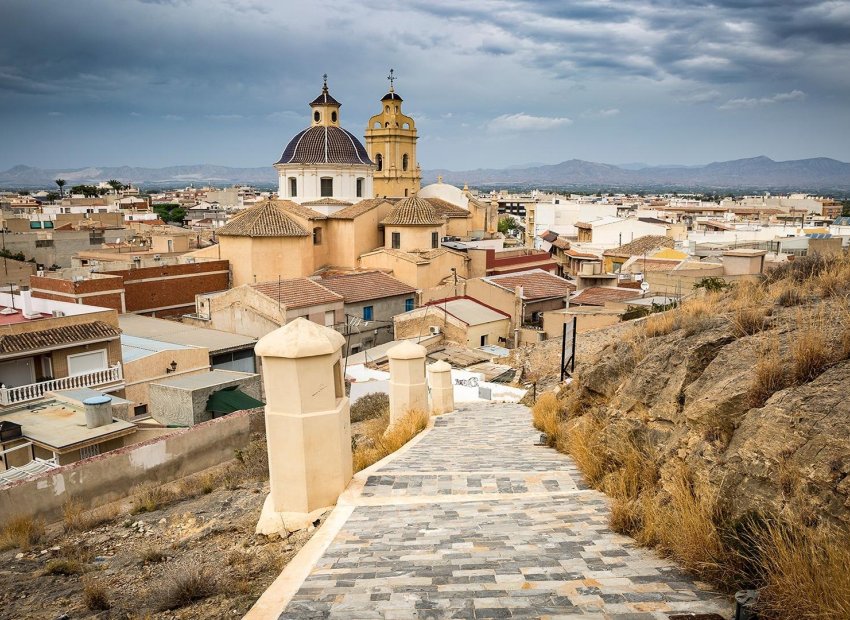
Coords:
pixel 325 108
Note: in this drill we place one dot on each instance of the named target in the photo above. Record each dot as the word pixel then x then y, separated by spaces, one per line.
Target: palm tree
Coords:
pixel 115 185
pixel 61 184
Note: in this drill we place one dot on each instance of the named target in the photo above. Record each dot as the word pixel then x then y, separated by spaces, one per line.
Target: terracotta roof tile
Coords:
pixel 642 245
pixel 266 219
pixel 599 295
pixel 302 211
pixel 357 209
pixel 535 283
pixel 361 286
pixel 447 209
pixel 326 201
pixel 297 292
pixel 57 336
pixel 413 211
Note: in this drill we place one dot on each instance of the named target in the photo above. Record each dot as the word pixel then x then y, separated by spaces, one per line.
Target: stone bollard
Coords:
pixel 308 424
pixel 442 390
pixel 408 390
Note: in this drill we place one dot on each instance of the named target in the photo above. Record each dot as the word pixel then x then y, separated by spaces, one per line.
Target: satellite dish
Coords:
pixel 644 286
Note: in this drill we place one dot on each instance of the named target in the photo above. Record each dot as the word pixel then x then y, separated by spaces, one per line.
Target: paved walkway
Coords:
pixel 474 521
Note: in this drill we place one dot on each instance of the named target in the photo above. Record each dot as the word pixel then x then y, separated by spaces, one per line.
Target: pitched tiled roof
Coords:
pixel 577 254
pixel 325 145
pixel 642 245
pixel 266 219
pixel 562 244
pixel 599 295
pixel 300 210
pixel 297 292
pixel 535 283
pixel 357 209
pixel 548 235
pixel 361 286
pixel 324 98
pixel 413 211
pixel 326 201
pixel 57 336
pixel 447 209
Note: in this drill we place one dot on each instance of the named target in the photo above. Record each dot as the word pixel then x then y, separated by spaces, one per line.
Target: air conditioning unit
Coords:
pixel 157 257
pixel 40 273
pixel 58 313
pixel 435 330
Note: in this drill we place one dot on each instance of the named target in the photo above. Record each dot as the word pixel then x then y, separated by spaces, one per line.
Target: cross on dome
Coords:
pixel 392 79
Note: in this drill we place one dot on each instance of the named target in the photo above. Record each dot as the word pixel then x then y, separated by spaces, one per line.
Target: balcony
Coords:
pixel 34 391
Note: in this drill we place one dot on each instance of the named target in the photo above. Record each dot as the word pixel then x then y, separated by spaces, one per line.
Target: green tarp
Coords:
pixel 228 401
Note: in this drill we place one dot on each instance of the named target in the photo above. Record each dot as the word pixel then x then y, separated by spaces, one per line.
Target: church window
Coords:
pixel 316 116
pixel 404 160
pixel 387 109
pixel 435 240
pixel 405 192
pixel 377 125
pixel 327 187
pixel 386 124
pixel 333 117
pixel 317 236
pixel 359 188
pixel 406 126
pixel 396 240
pixel 396 109
pixel 293 187
pixel 379 160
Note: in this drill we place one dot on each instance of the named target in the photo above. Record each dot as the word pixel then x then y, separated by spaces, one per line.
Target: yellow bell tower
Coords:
pixel 391 144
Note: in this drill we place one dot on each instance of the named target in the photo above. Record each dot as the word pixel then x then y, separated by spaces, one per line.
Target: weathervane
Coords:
pixel 392 79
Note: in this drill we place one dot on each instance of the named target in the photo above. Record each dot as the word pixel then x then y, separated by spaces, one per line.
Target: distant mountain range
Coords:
pixel 818 174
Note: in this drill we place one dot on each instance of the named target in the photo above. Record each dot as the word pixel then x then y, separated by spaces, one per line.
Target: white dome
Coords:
pixel 446 192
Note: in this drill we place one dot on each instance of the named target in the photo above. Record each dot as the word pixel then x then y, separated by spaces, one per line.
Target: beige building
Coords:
pixel 461 320
pixel 391 144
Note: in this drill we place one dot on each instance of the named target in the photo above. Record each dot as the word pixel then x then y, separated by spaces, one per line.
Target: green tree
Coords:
pixel 845 208
pixel 115 185
pixel 712 284
pixel 507 223
pixel 61 184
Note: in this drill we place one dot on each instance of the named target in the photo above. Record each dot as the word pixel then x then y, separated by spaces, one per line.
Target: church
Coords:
pixel 342 206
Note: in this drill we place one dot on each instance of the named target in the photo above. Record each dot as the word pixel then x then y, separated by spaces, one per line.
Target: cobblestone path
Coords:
pixel 475 521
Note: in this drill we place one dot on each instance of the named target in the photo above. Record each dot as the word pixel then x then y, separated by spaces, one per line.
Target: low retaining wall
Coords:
pixel 111 476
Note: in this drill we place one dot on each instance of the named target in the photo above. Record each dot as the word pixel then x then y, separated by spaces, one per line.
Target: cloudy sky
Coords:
pixel 491 83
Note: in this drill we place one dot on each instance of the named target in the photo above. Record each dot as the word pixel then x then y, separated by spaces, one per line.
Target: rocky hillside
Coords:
pixel 728 419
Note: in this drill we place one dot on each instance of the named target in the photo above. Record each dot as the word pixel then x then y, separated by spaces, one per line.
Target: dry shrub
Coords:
pixel 546 413
pixel 254 459
pixel 95 596
pixel 152 555
pixel 370 406
pixel 583 441
pixel 381 439
pixel 150 496
pixel 64 566
pixel 811 353
pixel 661 324
pixel 631 485
pixel 805 572
pixel 769 376
pixel 182 586
pixel 688 527
pixel 788 295
pixel 802 268
pixel 21 533
pixel 75 518
pixel 749 320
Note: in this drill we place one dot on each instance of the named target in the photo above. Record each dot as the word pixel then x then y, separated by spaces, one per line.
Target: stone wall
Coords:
pixel 112 476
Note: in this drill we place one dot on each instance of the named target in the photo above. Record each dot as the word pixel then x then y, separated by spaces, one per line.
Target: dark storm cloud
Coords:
pixel 244 65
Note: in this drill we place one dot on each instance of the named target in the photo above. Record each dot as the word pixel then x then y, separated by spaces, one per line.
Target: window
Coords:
pixel 367 313
pixel 359 188
pixel 405 192
pixel 379 161
pixel 329 318
pixel 327 188
pixel 83 363
pixel 333 117
pixel 293 187
pixel 435 240
pixel 387 109
pixel 316 116
pixel 404 162
pixel 396 237
pixel 140 410
pixel 408 304
pixel 317 235
pixel 484 340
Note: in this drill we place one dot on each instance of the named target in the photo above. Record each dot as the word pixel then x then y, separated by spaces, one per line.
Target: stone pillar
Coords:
pixel 442 389
pixel 408 390
pixel 308 424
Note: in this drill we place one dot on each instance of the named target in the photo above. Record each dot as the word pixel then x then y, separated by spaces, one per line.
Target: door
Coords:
pixel 83 363
pixel 17 372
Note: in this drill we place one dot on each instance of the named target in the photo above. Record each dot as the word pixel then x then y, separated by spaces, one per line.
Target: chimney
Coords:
pixel 26 300
pixel 98 411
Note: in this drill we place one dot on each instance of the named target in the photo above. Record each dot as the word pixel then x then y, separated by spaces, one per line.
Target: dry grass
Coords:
pixel 149 497
pixel 661 324
pixel 182 586
pixel 584 442
pixel 546 414
pixel 21 533
pixel 64 566
pixel 769 375
pixel 151 555
pixel 788 295
pixel 370 406
pixel 811 353
pixel 95 596
pixel 631 485
pixel 805 572
pixel 75 518
pixel 254 459
pixel 382 440
pixel 692 317
pixel 749 320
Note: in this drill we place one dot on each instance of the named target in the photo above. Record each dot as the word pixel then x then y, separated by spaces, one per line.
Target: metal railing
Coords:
pixel 34 391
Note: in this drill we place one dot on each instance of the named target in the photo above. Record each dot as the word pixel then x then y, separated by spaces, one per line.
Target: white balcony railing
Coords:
pixel 34 391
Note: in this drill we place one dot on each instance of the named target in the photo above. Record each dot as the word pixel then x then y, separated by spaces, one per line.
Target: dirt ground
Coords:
pixel 138 564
